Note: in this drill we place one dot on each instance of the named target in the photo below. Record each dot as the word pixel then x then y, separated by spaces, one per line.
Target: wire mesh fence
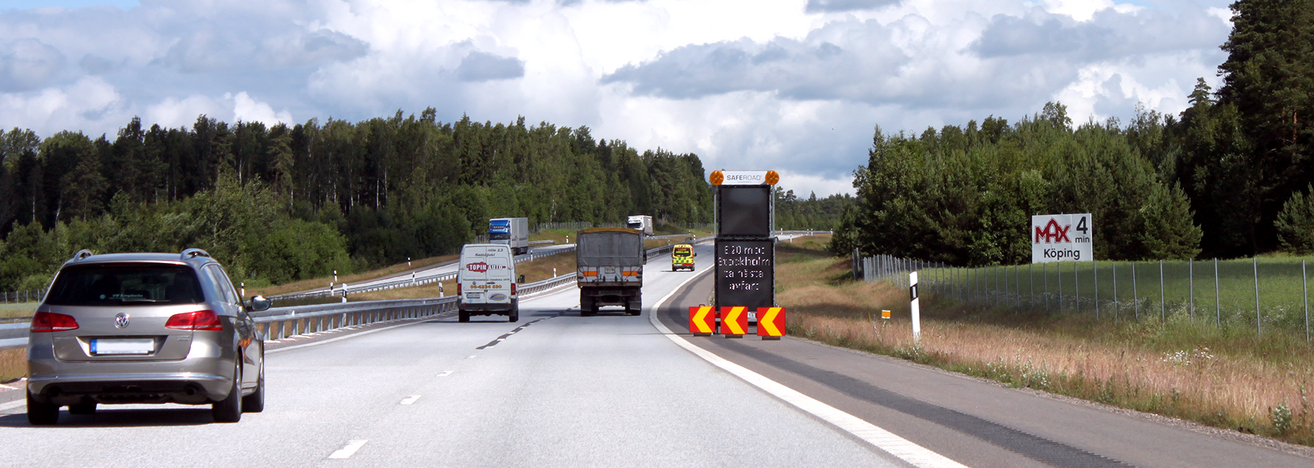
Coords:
pixel 1260 294
pixel 18 297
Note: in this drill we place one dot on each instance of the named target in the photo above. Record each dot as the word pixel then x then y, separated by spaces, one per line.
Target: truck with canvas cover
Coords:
pixel 610 269
pixel 486 282
pixel 513 232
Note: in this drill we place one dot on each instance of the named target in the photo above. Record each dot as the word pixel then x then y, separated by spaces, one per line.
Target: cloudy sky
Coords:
pixel 791 85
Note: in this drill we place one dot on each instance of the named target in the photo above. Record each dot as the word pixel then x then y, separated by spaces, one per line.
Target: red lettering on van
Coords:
pixel 477 267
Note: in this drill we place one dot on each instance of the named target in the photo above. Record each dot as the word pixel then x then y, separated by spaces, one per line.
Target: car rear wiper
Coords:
pixel 137 300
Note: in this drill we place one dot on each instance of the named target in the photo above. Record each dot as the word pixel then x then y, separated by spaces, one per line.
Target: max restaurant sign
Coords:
pixel 1061 238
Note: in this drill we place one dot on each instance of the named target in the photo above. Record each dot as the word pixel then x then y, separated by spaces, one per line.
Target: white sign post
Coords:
pixel 916 312
pixel 1062 238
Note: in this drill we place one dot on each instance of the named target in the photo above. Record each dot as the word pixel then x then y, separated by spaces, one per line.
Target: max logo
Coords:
pixel 1053 232
pixel 477 267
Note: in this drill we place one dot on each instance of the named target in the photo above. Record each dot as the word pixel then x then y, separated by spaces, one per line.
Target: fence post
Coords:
pixel 1116 305
pixel 1190 289
pixel 1044 274
pixel 1095 271
pixel 1259 328
pixel 1058 268
pixel 1076 289
pixel 1218 306
pixel 1031 281
pixel 1304 292
pixel 1136 295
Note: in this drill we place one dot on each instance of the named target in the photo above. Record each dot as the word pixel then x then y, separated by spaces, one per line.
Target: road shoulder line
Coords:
pixel 880 438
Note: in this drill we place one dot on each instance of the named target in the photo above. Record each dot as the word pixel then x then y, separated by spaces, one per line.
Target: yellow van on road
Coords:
pixel 682 257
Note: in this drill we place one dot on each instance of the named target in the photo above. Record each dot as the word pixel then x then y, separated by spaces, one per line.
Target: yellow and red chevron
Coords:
pixel 702 320
pixel 734 320
pixel 770 321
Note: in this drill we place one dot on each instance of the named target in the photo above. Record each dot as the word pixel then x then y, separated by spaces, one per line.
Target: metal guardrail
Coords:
pixel 281 322
pixel 404 283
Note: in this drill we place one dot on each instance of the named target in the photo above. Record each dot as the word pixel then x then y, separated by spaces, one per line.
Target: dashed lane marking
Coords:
pixel 349 450
pixel 508 334
pixel 445 374
pixel 410 399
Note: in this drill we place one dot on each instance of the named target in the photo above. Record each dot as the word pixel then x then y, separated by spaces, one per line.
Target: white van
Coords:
pixel 486 282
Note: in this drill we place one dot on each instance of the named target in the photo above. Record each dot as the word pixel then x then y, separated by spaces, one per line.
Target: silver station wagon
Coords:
pixel 144 328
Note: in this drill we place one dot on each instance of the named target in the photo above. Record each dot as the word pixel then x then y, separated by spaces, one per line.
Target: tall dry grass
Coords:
pixel 1145 366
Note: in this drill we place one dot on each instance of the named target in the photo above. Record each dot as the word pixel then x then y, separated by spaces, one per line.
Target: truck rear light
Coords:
pixel 201 320
pixel 47 322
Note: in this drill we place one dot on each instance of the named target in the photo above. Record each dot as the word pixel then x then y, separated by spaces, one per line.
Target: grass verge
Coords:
pixel 1177 368
pixel 22 309
pixel 13 364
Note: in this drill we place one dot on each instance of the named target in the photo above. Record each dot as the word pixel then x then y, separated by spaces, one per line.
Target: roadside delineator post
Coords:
pixel 734 321
pixel 770 322
pixel 916 313
pixel 702 320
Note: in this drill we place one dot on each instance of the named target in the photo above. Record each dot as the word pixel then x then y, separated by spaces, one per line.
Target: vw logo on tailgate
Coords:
pixel 121 320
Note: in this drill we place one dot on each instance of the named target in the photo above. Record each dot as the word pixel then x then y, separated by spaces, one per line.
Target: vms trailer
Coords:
pixel 610 269
pixel 641 222
pixel 513 232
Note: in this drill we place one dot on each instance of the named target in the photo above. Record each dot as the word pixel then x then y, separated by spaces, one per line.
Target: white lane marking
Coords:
pixel 410 399
pixel 471 357
pixel 12 404
pixel 445 374
pixel 880 438
pixel 349 450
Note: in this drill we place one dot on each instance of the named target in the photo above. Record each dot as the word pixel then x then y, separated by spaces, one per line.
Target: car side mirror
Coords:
pixel 521 279
pixel 258 303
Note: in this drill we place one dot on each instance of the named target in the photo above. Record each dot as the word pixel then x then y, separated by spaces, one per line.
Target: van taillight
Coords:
pixel 46 322
pixel 458 289
pixel 513 288
pixel 201 320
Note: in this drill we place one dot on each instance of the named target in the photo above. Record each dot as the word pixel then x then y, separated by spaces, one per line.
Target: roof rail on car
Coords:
pixel 193 253
pixel 84 253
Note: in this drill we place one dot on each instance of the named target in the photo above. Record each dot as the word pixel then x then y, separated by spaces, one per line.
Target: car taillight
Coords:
pixel 46 322
pixel 201 320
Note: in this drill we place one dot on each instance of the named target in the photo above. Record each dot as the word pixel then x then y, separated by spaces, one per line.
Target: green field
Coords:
pixel 1136 290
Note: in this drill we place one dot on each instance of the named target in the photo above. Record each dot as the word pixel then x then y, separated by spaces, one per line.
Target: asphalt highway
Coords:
pixel 555 389
pixel 558 389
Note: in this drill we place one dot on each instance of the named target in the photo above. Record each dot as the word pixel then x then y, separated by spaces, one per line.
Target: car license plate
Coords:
pixel 129 346
pixel 473 296
pixel 752 316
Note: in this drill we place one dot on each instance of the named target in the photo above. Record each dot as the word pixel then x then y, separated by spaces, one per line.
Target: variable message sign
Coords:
pixel 744 210
pixel 745 273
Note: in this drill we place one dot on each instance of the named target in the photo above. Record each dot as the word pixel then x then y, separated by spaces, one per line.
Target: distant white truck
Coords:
pixel 486 282
pixel 641 222
pixel 513 232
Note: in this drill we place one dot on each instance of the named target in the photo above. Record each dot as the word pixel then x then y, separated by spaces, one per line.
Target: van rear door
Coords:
pixel 486 274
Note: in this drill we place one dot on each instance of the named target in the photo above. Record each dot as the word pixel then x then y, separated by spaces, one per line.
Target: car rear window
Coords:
pixel 125 284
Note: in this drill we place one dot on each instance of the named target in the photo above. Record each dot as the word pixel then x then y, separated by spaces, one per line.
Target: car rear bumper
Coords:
pixel 187 388
pixel 487 308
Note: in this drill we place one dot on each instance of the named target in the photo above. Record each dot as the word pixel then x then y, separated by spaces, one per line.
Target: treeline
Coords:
pixel 822 214
pixel 1229 176
pixel 288 202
